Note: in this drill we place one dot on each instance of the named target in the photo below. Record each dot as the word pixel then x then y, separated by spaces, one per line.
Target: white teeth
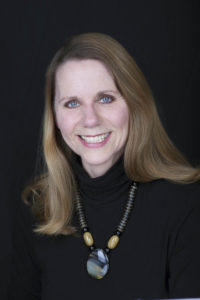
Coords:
pixel 95 139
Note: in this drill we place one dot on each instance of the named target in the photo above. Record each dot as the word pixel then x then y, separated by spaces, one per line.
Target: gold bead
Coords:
pixel 113 241
pixel 88 239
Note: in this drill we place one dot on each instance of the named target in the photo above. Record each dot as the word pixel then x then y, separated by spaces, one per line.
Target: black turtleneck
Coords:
pixel 157 255
pixel 101 196
pixel 102 190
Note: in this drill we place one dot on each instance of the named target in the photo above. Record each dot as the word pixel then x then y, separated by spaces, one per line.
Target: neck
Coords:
pixel 98 170
pixel 102 190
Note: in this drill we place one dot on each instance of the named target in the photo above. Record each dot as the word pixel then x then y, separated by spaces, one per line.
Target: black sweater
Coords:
pixel 158 255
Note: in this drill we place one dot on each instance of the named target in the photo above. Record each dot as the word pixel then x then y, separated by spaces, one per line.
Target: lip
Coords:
pixel 95 145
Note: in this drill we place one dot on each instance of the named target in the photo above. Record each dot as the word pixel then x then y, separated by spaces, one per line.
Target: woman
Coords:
pixel 112 176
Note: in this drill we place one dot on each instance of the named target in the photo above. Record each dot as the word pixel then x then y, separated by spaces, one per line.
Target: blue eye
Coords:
pixel 72 104
pixel 106 99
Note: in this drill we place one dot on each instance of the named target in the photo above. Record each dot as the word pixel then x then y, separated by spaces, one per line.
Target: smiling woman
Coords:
pixel 97 127
pixel 108 160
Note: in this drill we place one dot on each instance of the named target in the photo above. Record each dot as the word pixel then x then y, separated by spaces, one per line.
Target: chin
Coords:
pixel 99 160
pixel 94 160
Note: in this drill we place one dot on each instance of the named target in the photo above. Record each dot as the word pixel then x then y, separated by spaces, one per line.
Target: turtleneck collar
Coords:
pixel 103 190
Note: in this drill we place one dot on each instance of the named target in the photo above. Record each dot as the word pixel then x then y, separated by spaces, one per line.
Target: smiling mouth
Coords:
pixel 95 139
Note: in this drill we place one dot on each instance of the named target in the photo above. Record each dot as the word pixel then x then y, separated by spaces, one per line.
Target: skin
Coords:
pixel 87 103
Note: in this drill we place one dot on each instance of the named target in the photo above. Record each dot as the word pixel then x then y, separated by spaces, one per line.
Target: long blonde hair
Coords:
pixel 149 153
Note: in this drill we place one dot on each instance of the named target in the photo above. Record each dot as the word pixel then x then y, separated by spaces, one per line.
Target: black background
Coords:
pixel 162 36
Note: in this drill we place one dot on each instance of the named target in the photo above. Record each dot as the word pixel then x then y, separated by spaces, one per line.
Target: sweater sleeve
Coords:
pixel 184 263
pixel 25 272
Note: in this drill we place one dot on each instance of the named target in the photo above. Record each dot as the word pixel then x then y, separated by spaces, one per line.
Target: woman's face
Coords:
pixel 92 116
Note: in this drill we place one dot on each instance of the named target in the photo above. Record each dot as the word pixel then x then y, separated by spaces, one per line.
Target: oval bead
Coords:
pixel 113 241
pixel 88 239
pixel 97 264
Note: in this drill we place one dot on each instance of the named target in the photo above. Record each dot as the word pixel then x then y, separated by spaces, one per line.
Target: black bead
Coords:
pixel 92 248
pixel 118 233
pixel 85 229
pixel 107 250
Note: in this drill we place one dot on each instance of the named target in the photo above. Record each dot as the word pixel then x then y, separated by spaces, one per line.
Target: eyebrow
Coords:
pixel 100 93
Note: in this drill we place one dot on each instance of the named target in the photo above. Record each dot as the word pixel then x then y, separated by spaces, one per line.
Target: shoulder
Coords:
pixel 169 198
pixel 24 220
pixel 171 191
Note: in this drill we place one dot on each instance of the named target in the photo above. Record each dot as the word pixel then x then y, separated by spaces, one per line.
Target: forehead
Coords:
pixel 83 75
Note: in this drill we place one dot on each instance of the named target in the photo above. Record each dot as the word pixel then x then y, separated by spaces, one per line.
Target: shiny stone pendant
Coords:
pixel 97 264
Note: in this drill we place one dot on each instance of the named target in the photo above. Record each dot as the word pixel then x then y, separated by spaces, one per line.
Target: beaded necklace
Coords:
pixel 98 262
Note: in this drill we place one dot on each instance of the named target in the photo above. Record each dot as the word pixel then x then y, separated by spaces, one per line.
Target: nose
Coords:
pixel 90 116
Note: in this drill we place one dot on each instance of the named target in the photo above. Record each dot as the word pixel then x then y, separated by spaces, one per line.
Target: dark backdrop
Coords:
pixel 161 35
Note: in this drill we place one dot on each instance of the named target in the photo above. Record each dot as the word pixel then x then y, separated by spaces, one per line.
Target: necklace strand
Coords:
pixel 98 263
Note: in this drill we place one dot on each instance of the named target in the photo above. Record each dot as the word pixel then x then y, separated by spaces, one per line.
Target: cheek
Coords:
pixel 64 123
pixel 121 118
